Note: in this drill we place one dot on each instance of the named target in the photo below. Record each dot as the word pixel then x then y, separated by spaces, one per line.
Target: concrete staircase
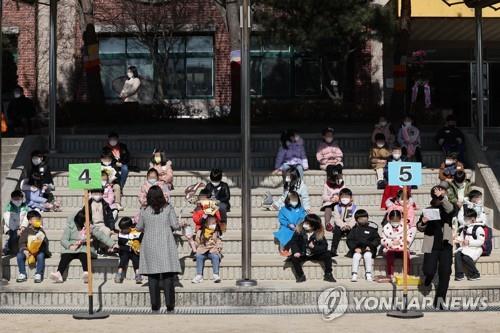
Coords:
pixel 192 156
pixel 10 147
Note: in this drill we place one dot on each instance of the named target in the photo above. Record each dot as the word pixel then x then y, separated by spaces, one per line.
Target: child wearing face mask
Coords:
pixel 121 155
pixel 152 178
pixel 40 171
pixel 291 154
pixel 396 203
pixel 343 216
pixel 37 199
pixel 396 156
pixel 459 188
pixel 293 182
pixel 328 152
pixel 129 242
pixel 220 191
pixel 14 221
pixel 108 194
pixel 448 168
pixel 473 201
pixel 309 244
pixel 383 127
pixel 108 165
pixel 208 246
pixel 379 154
pixel 101 215
pixel 34 247
pixel 451 139
pixel 290 215
pixel 163 166
pixel 362 242
pixel 331 190
pixel 409 139
pixel 392 240
pixel 470 239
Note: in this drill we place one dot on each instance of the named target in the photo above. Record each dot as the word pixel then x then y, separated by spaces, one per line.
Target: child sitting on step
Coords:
pixel 331 194
pixel 379 154
pixel 163 166
pixel 34 247
pixel 73 242
pixel 392 240
pixel 309 244
pixel 290 215
pixel 219 191
pixel 38 198
pixel 108 193
pixel 291 154
pixel 40 171
pixel 470 239
pixel 14 221
pixel 129 242
pixel 108 165
pixel 293 182
pixel 208 246
pixel 329 153
pixel 409 139
pixel 343 217
pixel 385 128
pixel 152 178
pixel 449 168
pixel 362 242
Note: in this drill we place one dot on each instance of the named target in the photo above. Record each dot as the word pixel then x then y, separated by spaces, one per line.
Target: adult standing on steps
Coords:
pixel 159 259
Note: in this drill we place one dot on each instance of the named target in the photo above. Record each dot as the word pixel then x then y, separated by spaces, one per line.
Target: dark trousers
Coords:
pixel 324 257
pixel 464 261
pixel 11 245
pixel 337 235
pixel 66 258
pixel 167 281
pixel 418 154
pixel 125 256
pixel 439 261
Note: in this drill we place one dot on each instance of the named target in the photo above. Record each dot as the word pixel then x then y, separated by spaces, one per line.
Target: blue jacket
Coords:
pixel 286 217
pixel 35 199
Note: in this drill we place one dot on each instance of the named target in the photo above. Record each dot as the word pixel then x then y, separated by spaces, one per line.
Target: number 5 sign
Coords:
pixel 405 174
pixel 85 176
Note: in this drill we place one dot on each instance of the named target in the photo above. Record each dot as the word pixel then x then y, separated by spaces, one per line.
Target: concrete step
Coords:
pixel 224 160
pixel 263 268
pixel 218 142
pixel 208 296
pixel 364 197
pixel 182 179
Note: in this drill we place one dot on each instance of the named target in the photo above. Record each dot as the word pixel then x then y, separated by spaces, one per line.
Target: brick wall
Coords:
pixel 23 17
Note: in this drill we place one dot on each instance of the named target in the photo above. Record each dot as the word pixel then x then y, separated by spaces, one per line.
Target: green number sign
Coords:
pixel 85 176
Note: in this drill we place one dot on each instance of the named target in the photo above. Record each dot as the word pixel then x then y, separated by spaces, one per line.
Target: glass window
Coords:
pixel 255 77
pixel 199 44
pixel 199 76
pixel 112 45
pixel 175 78
pixel 276 77
pixel 135 46
pixel 112 77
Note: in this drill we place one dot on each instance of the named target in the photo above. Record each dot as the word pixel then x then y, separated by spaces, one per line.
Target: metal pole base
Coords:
pixel 246 283
pixel 402 314
pixel 88 316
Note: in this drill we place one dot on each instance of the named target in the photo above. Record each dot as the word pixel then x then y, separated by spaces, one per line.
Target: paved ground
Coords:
pixel 432 322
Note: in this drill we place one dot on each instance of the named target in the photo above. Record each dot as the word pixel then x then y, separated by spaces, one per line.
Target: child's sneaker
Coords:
pixel 329 278
pixel 301 279
pixel 56 277
pixel 381 185
pixel 197 279
pixel 216 278
pixel 138 279
pixel 85 277
pixel 369 277
pixel 37 278
pixel 118 278
pixel 459 277
pixel 22 278
pixel 354 277
pixel 474 278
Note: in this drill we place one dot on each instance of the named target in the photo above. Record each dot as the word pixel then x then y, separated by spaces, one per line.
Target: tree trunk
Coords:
pixel 401 51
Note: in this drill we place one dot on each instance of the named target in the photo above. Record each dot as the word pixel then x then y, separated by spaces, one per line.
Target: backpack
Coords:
pixel 488 239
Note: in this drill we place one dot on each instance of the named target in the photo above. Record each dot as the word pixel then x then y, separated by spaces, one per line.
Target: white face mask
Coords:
pixel 296 138
pixel 36 160
pixel 130 75
pixel 307 227
pixel 345 201
pixel 17 203
pixel 448 162
pixel 329 140
pixel 380 144
pixel 152 181
pixel 407 123
pixel 396 156
pixel 113 142
pixel 339 181
pixel 212 226
pixel 106 163
pixel 17 94
pixel 97 197
pixel 294 203
pixel 288 179
pixel 104 183
pixel 395 224
pixel 215 184
pixel 478 203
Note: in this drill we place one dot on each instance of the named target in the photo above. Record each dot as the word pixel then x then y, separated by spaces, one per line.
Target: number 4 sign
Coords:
pixel 85 176
pixel 405 174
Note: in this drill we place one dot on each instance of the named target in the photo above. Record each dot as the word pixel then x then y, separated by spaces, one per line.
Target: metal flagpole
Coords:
pixel 246 172
pixel 53 75
pixel 478 13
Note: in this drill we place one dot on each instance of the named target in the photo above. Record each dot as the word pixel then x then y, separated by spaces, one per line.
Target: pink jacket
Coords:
pixel 329 154
pixel 143 192
pixel 109 196
pixel 389 233
pixel 165 172
pixel 329 193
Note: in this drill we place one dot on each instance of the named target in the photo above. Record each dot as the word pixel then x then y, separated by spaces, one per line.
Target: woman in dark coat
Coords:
pixel 159 259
